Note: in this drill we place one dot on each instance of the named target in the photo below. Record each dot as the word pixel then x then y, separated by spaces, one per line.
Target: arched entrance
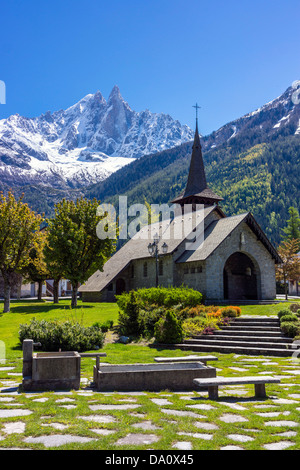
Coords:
pixel 240 278
pixel 120 286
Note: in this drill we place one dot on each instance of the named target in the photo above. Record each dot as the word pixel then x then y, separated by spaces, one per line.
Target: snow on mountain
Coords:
pixel 279 115
pixel 83 144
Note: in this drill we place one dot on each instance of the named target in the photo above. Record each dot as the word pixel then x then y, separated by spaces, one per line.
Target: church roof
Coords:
pixel 219 230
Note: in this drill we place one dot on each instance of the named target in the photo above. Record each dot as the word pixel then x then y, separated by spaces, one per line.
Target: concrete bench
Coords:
pixel 213 384
pixel 202 359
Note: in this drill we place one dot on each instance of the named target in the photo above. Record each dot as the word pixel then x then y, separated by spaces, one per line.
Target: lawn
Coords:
pixel 24 311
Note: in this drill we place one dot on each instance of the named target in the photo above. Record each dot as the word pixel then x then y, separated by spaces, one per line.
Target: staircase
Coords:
pixel 245 335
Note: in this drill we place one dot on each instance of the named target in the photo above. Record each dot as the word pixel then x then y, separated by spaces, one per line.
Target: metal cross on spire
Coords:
pixel 197 107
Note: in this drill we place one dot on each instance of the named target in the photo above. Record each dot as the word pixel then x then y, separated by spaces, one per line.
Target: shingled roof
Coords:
pixel 219 230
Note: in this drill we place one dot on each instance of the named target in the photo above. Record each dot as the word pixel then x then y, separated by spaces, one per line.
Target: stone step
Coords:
pixel 235 349
pixel 254 324
pixel 245 344
pixel 250 339
pixel 251 328
pixel 256 319
pixel 249 333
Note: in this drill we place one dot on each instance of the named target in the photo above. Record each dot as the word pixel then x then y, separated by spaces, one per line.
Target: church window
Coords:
pixel 186 270
pixel 110 287
pixel 145 269
pixel 132 271
pixel 161 267
pixel 199 269
pixel 193 270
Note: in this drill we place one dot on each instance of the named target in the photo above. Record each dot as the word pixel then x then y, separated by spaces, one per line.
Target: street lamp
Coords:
pixel 154 251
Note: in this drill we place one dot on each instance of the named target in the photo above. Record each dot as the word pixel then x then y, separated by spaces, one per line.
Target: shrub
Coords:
pixel 164 296
pixel 194 326
pixel 67 336
pixel 298 313
pixel 148 318
pixel 168 330
pixel 237 309
pixel 291 329
pixel 283 312
pixel 288 318
pixel 200 325
pixel 128 319
pixel 294 308
pixel 229 312
pixel 104 327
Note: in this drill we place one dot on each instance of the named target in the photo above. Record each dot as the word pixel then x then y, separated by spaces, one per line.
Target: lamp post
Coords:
pixel 154 251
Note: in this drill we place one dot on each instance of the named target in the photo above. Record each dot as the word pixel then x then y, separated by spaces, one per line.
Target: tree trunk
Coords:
pixel 286 290
pixel 40 290
pixel 7 292
pixel 74 295
pixel 55 291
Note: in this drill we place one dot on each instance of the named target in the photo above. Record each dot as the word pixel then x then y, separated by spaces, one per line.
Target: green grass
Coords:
pixel 25 311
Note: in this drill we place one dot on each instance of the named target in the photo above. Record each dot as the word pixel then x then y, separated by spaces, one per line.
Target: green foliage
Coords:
pixel 128 318
pixel 288 318
pixel 294 307
pixel 73 244
pixel 105 326
pixel 67 336
pixel 148 317
pixel 292 230
pixel 164 296
pixel 168 330
pixel 283 312
pixel 291 329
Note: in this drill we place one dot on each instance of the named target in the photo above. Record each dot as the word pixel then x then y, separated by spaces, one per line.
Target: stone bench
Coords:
pixel 202 359
pixel 213 384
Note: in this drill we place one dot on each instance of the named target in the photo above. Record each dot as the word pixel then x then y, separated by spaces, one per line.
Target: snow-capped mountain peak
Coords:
pixel 84 143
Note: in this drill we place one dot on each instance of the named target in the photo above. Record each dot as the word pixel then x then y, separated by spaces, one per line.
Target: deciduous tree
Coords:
pixel 289 269
pixel 73 243
pixel 18 228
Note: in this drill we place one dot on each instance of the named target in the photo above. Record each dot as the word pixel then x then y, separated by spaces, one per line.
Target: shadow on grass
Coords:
pixel 45 308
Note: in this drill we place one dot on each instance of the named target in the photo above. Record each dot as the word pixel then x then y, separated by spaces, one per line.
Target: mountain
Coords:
pixel 252 162
pixel 83 144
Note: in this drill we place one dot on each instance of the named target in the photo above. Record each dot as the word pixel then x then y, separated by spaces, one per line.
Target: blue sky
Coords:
pixel 230 56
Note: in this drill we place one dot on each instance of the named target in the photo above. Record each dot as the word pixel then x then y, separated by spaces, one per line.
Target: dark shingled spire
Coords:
pixel 196 191
pixel 197 180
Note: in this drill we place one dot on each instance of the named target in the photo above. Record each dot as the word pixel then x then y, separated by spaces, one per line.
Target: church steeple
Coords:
pixel 196 180
pixel 196 191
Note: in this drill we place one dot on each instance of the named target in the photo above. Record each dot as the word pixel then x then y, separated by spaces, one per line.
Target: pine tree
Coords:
pixel 292 230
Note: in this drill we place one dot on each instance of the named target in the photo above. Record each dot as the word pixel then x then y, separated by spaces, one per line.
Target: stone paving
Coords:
pixel 86 419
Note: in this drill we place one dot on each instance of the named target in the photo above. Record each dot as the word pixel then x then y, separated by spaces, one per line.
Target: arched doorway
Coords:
pixel 120 286
pixel 240 278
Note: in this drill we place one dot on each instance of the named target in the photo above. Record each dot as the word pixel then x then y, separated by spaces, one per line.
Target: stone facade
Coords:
pixel 206 276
